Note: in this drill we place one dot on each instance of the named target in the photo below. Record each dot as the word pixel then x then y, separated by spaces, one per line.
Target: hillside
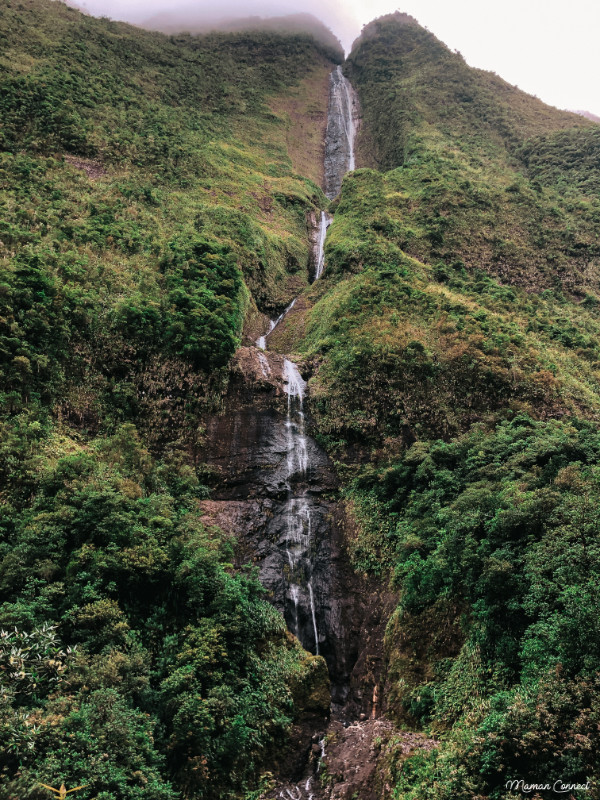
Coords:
pixel 194 20
pixel 150 205
pixel 452 348
pixel 463 270
pixel 408 461
pixel 137 169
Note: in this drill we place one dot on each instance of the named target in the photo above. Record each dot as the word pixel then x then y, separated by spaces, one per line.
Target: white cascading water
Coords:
pixel 295 386
pixel 299 526
pixel 341 131
pixel 295 595
pixel 348 116
pixel 314 617
pixel 261 342
pixel 322 756
pixel 299 534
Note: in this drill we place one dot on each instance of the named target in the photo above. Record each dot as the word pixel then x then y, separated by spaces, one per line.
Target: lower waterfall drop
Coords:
pixel 314 617
pixel 299 534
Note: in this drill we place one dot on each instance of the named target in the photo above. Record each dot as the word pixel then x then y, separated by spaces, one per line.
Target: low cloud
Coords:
pixel 160 14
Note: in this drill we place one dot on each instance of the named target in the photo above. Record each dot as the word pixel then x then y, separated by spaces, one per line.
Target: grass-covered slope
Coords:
pixel 462 273
pixel 148 201
pixel 148 205
pixel 453 346
pixel 464 140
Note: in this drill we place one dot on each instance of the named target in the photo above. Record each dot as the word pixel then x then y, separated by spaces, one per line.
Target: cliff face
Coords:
pixel 247 447
pixel 385 400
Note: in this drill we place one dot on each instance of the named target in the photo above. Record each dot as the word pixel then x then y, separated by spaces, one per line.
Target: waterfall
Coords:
pixel 341 131
pixel 298 513
pixel 297 456
pixel 314 617
pixel 301 607
pixel 261 342
pixel 295 593
pixel 347 103
pixel 299 561
pixel 322 746
pixel 324 223
pixel 265 367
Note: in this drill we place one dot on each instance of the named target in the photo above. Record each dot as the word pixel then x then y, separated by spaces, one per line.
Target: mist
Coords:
pixel 173 17
pixel 544 47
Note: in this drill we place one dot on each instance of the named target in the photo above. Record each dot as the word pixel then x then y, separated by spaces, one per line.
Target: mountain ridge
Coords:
pixel 290 23
pixel 161 205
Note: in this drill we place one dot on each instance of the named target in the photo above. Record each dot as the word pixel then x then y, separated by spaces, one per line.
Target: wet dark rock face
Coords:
pixel 342 122
pixel 248 449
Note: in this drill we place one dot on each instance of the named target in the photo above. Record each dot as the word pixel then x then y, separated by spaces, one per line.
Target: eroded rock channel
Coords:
pixel 277 491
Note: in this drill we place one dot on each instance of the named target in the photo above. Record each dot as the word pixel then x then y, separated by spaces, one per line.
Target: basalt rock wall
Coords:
pixel 246 450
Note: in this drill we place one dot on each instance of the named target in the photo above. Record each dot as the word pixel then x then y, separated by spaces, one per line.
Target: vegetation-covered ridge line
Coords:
pixel 451 347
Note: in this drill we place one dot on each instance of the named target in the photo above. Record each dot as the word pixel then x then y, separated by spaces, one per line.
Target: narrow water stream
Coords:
pixel 307 608
pixel 324 222
pixel 301 611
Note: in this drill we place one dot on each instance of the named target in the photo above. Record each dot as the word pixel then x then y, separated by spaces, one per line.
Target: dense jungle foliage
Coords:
pixel 150 208
pixel 148 201
pixel 453 346
pixel 148 204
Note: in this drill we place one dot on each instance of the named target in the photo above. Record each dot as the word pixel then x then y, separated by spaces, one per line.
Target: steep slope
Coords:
pixel 453 361
pixel 150 207
pixel 464 279
pixel 467 137
pixel 161 203
pixel 194 20
pixel 148 186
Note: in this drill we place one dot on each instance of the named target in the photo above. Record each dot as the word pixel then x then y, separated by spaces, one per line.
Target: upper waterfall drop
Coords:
pixel 341 130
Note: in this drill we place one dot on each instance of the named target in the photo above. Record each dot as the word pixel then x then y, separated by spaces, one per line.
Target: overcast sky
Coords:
pixel 545 47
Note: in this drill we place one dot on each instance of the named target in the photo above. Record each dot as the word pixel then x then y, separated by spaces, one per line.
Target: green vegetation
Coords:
pixel 148 204
pixel 463 281
pixel 175 21
pixel 168 670
pixel 146 190
pixel 493 536
pixel 152 207
pixel 460 142
pixel 453 346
